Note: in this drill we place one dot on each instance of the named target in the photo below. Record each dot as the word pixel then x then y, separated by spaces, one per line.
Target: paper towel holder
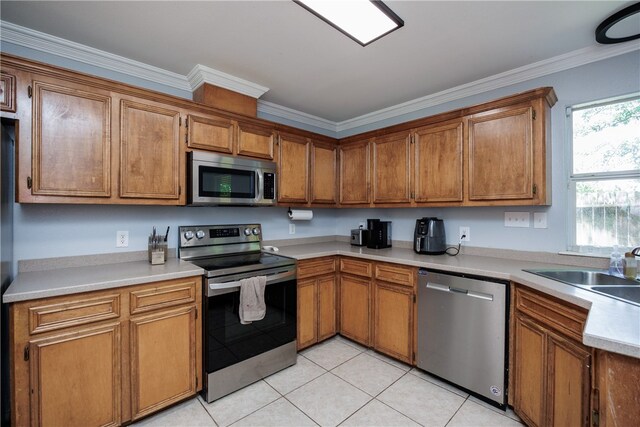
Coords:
pixel 299 214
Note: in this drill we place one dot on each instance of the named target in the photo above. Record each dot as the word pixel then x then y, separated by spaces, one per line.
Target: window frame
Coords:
pixel 573 179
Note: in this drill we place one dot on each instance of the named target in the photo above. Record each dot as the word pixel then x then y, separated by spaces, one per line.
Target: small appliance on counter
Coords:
pixel 379 234
pixel 429 236
pixel 359 236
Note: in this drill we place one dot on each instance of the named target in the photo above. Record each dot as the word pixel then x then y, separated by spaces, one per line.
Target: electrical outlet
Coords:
pixel 517 219
pixel 466 232
pixel 122 239
pixel 292 229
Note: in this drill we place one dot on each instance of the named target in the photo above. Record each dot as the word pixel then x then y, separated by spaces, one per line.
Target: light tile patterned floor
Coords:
pixel 341 383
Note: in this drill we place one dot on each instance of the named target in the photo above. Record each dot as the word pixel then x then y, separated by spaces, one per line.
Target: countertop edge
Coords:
pixel 180 270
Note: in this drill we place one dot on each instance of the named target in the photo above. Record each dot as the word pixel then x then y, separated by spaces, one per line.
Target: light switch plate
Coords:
pixel 517 219
pixel 539 220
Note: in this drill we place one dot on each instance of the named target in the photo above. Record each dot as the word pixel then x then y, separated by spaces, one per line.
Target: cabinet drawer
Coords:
pixel 395 274
pixel 163 294
pixel 356 267
pixel 316 267
pixel 73 312
pixel 559 316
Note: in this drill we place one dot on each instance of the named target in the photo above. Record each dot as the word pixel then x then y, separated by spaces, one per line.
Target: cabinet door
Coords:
pixel 393 321
pixel 500 155
pixel 391 169
pixel 323 173
pixel 326 307
pixel 163 359
pixel 149 151
pixel 75 378
pixel 255 141
pixel 569 383
pixel 438 163
pixel 354 173
pixel 293 169
pixel 354 308
pixel 530 368
pixel 71 141
pixel 307 313
pixel 210 133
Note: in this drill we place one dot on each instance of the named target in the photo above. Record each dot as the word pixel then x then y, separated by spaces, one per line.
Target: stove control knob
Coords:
pixel 256 231
pixel 247 232
pixel 199 234
pixel 188 235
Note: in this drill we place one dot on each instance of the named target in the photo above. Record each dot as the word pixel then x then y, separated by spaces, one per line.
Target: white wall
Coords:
pixel 43 231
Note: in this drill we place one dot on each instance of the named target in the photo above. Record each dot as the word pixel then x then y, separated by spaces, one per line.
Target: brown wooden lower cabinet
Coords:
pixel 552 384
pixel 355 306
pixel 75 378
pixel 317 307
pixel 617 401
pixel 163 362
pixel 88 360
pixel 393 321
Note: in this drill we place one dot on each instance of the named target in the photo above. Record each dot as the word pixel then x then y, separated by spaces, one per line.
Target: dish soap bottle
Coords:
pixel 630 266
pixel 616 264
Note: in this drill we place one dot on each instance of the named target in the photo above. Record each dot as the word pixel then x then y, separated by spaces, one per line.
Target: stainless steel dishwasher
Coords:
pixel 462 330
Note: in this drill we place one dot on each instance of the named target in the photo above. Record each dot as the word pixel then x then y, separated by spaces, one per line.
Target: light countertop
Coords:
pixel 612 325
pixel 66 281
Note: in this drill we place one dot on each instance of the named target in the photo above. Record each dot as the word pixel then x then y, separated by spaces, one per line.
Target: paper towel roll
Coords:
pixel 300 214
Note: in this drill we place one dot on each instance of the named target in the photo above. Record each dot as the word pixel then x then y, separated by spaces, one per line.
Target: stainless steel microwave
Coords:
pixel 216 179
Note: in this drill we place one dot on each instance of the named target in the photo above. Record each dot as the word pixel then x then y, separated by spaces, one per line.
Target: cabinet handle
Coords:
pixel 26 352
pixel 29 182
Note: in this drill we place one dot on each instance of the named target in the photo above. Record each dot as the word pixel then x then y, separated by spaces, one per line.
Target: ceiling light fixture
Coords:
pixel 362 20
pixel 620 27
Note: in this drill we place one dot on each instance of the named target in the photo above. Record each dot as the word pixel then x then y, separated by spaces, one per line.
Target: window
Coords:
pixel 604 175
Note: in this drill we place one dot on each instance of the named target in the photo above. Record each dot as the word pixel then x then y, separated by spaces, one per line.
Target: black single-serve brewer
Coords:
pixel 379 234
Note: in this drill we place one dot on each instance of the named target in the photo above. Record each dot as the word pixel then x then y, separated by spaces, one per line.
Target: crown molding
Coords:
pixel 67 49
pixel 277 110
pixel 202 74
pixel 49 44
pixel 517 75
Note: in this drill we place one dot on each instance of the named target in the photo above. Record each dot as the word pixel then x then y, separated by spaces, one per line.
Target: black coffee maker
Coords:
pixel 379 234
pixel 429 236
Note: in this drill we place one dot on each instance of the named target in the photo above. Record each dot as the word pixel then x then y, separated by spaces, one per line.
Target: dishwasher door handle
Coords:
pixel 443 288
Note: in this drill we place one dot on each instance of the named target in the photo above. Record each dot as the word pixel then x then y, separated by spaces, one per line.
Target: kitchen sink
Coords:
pixel 627 290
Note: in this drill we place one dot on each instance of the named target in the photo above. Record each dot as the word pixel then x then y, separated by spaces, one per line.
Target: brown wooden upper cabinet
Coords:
pixel 324 167
pixel 438 163
pixel 150 156
pixel 71 150
pixel 293 169
pixel 501 154
pixel 255 140
pixel 392 168
pixel 354 173
pixel 212 133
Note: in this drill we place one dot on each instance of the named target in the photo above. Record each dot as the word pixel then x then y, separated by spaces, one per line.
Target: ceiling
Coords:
pixel 309 66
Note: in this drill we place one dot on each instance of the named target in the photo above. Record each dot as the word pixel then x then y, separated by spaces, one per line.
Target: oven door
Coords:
pixel 227 341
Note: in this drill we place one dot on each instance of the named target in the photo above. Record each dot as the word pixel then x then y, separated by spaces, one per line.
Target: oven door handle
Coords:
pixel 272 278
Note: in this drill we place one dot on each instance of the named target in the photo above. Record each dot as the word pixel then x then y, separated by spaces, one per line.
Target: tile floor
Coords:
pixel 341 383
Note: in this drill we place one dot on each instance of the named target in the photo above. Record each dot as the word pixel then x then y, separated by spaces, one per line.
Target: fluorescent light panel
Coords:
pixel 362 20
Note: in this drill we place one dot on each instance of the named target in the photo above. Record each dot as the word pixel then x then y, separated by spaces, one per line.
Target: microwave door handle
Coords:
pixel 260 185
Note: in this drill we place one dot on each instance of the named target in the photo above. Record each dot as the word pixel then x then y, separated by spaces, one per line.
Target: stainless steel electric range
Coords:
pixel 236 355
